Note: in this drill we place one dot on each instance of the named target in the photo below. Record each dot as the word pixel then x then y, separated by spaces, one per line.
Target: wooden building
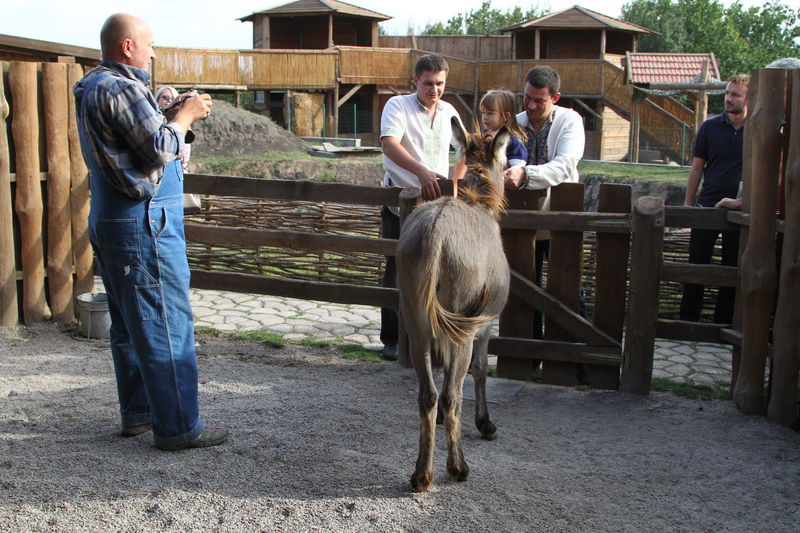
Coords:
pixel 21 49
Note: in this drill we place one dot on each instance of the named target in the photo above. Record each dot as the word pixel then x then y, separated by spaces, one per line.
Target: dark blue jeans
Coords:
pixel 141 253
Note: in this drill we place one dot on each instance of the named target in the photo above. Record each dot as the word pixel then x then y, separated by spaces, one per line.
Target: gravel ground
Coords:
pixel 322 443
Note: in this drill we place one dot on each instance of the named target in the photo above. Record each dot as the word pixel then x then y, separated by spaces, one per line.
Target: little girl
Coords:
pixel 498 108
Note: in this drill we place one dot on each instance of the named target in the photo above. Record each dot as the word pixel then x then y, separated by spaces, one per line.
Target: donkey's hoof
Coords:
pixel 421 481
pixel 488 430
pixel 458 473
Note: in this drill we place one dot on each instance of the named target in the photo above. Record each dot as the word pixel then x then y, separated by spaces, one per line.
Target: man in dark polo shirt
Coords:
pixel 717 158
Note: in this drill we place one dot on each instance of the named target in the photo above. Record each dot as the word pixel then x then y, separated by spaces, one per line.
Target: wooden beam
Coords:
pixel 711 275
pixel 560 351
pixel 681 330
pixel 562 315
pixel 290 288
pixel 698 218
pixel 350 93
pixel 587 108
pixel 9 313
pixel 567 221
pixel 296 240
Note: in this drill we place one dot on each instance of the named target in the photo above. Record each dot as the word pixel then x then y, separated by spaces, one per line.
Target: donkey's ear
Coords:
pixel 459 138
pixel 499 144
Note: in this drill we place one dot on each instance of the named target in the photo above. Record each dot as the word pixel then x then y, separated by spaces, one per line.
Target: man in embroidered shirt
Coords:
pixel 415 137
pixel 136 231
pixel 717 158
pixel 555 145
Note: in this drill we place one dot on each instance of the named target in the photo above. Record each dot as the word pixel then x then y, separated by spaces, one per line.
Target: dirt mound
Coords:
pixel 231 131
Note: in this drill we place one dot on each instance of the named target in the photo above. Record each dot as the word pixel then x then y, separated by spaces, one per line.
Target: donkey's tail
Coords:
pixel 458 327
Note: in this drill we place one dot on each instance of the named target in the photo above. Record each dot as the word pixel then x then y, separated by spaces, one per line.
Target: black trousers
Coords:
pixel 701 248
pixel 390 229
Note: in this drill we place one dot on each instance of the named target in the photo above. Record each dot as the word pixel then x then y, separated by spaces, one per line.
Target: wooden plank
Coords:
pixel 22 79
pixel 759 279
pixel 713 275
pixel 516 320
pixel 59 219
pixel 731 336
pixel 534 296
pixel 699 218
pixel 291 190
pixel 783 407
pixel 568 221
pixel 611 281
pixel 681 330
pixel 564 279
pixel 79 198
pixel 556 351
pixel 9 313
pixel 290 288
pixel 647 245
pixel 297 240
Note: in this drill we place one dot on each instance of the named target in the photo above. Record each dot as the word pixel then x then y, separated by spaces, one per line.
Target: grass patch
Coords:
pixel 205 330
pixel 663 173
pixel 697 392
pixel 314 343
pixel 273 339
pixel 354 351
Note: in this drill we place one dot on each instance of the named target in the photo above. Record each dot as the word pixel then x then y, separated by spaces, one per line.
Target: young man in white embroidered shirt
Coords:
pixel 415 137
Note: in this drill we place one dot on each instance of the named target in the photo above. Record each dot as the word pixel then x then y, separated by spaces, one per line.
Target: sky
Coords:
pixel 213 24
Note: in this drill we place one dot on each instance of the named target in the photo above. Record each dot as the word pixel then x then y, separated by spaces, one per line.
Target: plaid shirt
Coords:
pixel 123 131
pixel 537 142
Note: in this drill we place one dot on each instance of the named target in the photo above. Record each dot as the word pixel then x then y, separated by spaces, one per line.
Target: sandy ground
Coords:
pixel 322 443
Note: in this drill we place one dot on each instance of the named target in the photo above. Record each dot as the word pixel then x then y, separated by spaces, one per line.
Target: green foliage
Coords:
pixel 272 339
pixel 205 330
pixel 354 351
pixel 700 392
pixel 634 171
pixel 483 21
pixel 742 39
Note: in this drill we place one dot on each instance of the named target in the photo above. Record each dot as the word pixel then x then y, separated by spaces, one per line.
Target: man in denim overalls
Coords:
pixel 136 230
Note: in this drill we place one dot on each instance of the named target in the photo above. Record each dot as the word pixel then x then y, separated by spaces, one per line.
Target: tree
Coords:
pixel 485 20
pixel 742 39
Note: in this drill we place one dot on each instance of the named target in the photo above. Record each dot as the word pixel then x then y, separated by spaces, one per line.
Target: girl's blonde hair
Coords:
pixel 504 102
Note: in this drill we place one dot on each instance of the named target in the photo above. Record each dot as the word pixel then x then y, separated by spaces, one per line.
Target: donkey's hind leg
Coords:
pixel 451 401
pixel 427 400
pixel 479 370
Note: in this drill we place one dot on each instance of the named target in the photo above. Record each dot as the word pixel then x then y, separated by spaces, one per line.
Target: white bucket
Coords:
pixel 95 320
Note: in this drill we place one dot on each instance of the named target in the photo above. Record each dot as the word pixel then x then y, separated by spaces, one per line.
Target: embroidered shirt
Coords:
pixel 537 141
pixel 125 134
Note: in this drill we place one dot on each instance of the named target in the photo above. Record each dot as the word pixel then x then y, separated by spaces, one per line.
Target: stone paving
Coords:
pixel 696 363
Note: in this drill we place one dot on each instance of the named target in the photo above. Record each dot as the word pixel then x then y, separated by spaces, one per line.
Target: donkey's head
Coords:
pixel 485 156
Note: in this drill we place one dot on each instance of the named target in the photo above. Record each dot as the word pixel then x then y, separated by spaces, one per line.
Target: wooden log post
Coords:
pixel 564 271
pixel 9 313
pixel 757 269
pixel 783 399
pixel 79 197
pixel 59 235
pixel 647 244
pixel 611 278
pixel 516 320
pixel 409 198
pixel 28 203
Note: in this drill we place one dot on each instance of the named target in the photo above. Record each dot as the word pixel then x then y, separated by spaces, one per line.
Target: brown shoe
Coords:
pixel 132 431
pixel 209 437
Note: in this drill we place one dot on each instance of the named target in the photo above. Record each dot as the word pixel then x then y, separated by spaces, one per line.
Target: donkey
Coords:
pixel 453 279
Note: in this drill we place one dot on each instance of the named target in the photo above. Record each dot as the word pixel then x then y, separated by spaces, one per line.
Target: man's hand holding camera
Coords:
pixel 187 108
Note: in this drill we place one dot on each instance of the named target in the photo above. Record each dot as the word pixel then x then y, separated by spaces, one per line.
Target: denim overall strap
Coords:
pixel 141 254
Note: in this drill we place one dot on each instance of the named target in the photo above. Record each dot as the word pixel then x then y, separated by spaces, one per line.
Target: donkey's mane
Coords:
pixel 477 186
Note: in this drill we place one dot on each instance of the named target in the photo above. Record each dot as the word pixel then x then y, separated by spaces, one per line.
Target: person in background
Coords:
pixel 498 109
pixel 136 231
pixel 415 137
pixel 717 160
pixel 555 143
pixel 164 97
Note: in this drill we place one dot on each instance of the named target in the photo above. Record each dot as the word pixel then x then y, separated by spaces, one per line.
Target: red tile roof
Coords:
pixel 669 68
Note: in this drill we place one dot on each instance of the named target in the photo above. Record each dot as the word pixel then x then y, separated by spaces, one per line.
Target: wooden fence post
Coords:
pixel 408 200
pixel 79 197
pixel 516 320
pixel 786 351
pixel 9 313
pixel 565 264
pixel 28 202
pixel 59 237
pixel 647 252
pixel 757 269
pixel 611 278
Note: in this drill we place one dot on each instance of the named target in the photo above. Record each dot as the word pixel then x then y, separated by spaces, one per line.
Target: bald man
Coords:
pixel 136 230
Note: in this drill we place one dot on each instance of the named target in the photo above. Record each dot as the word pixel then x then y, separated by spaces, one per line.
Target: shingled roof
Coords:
pixel 577 18
pixel 645 67
pixel 317 7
